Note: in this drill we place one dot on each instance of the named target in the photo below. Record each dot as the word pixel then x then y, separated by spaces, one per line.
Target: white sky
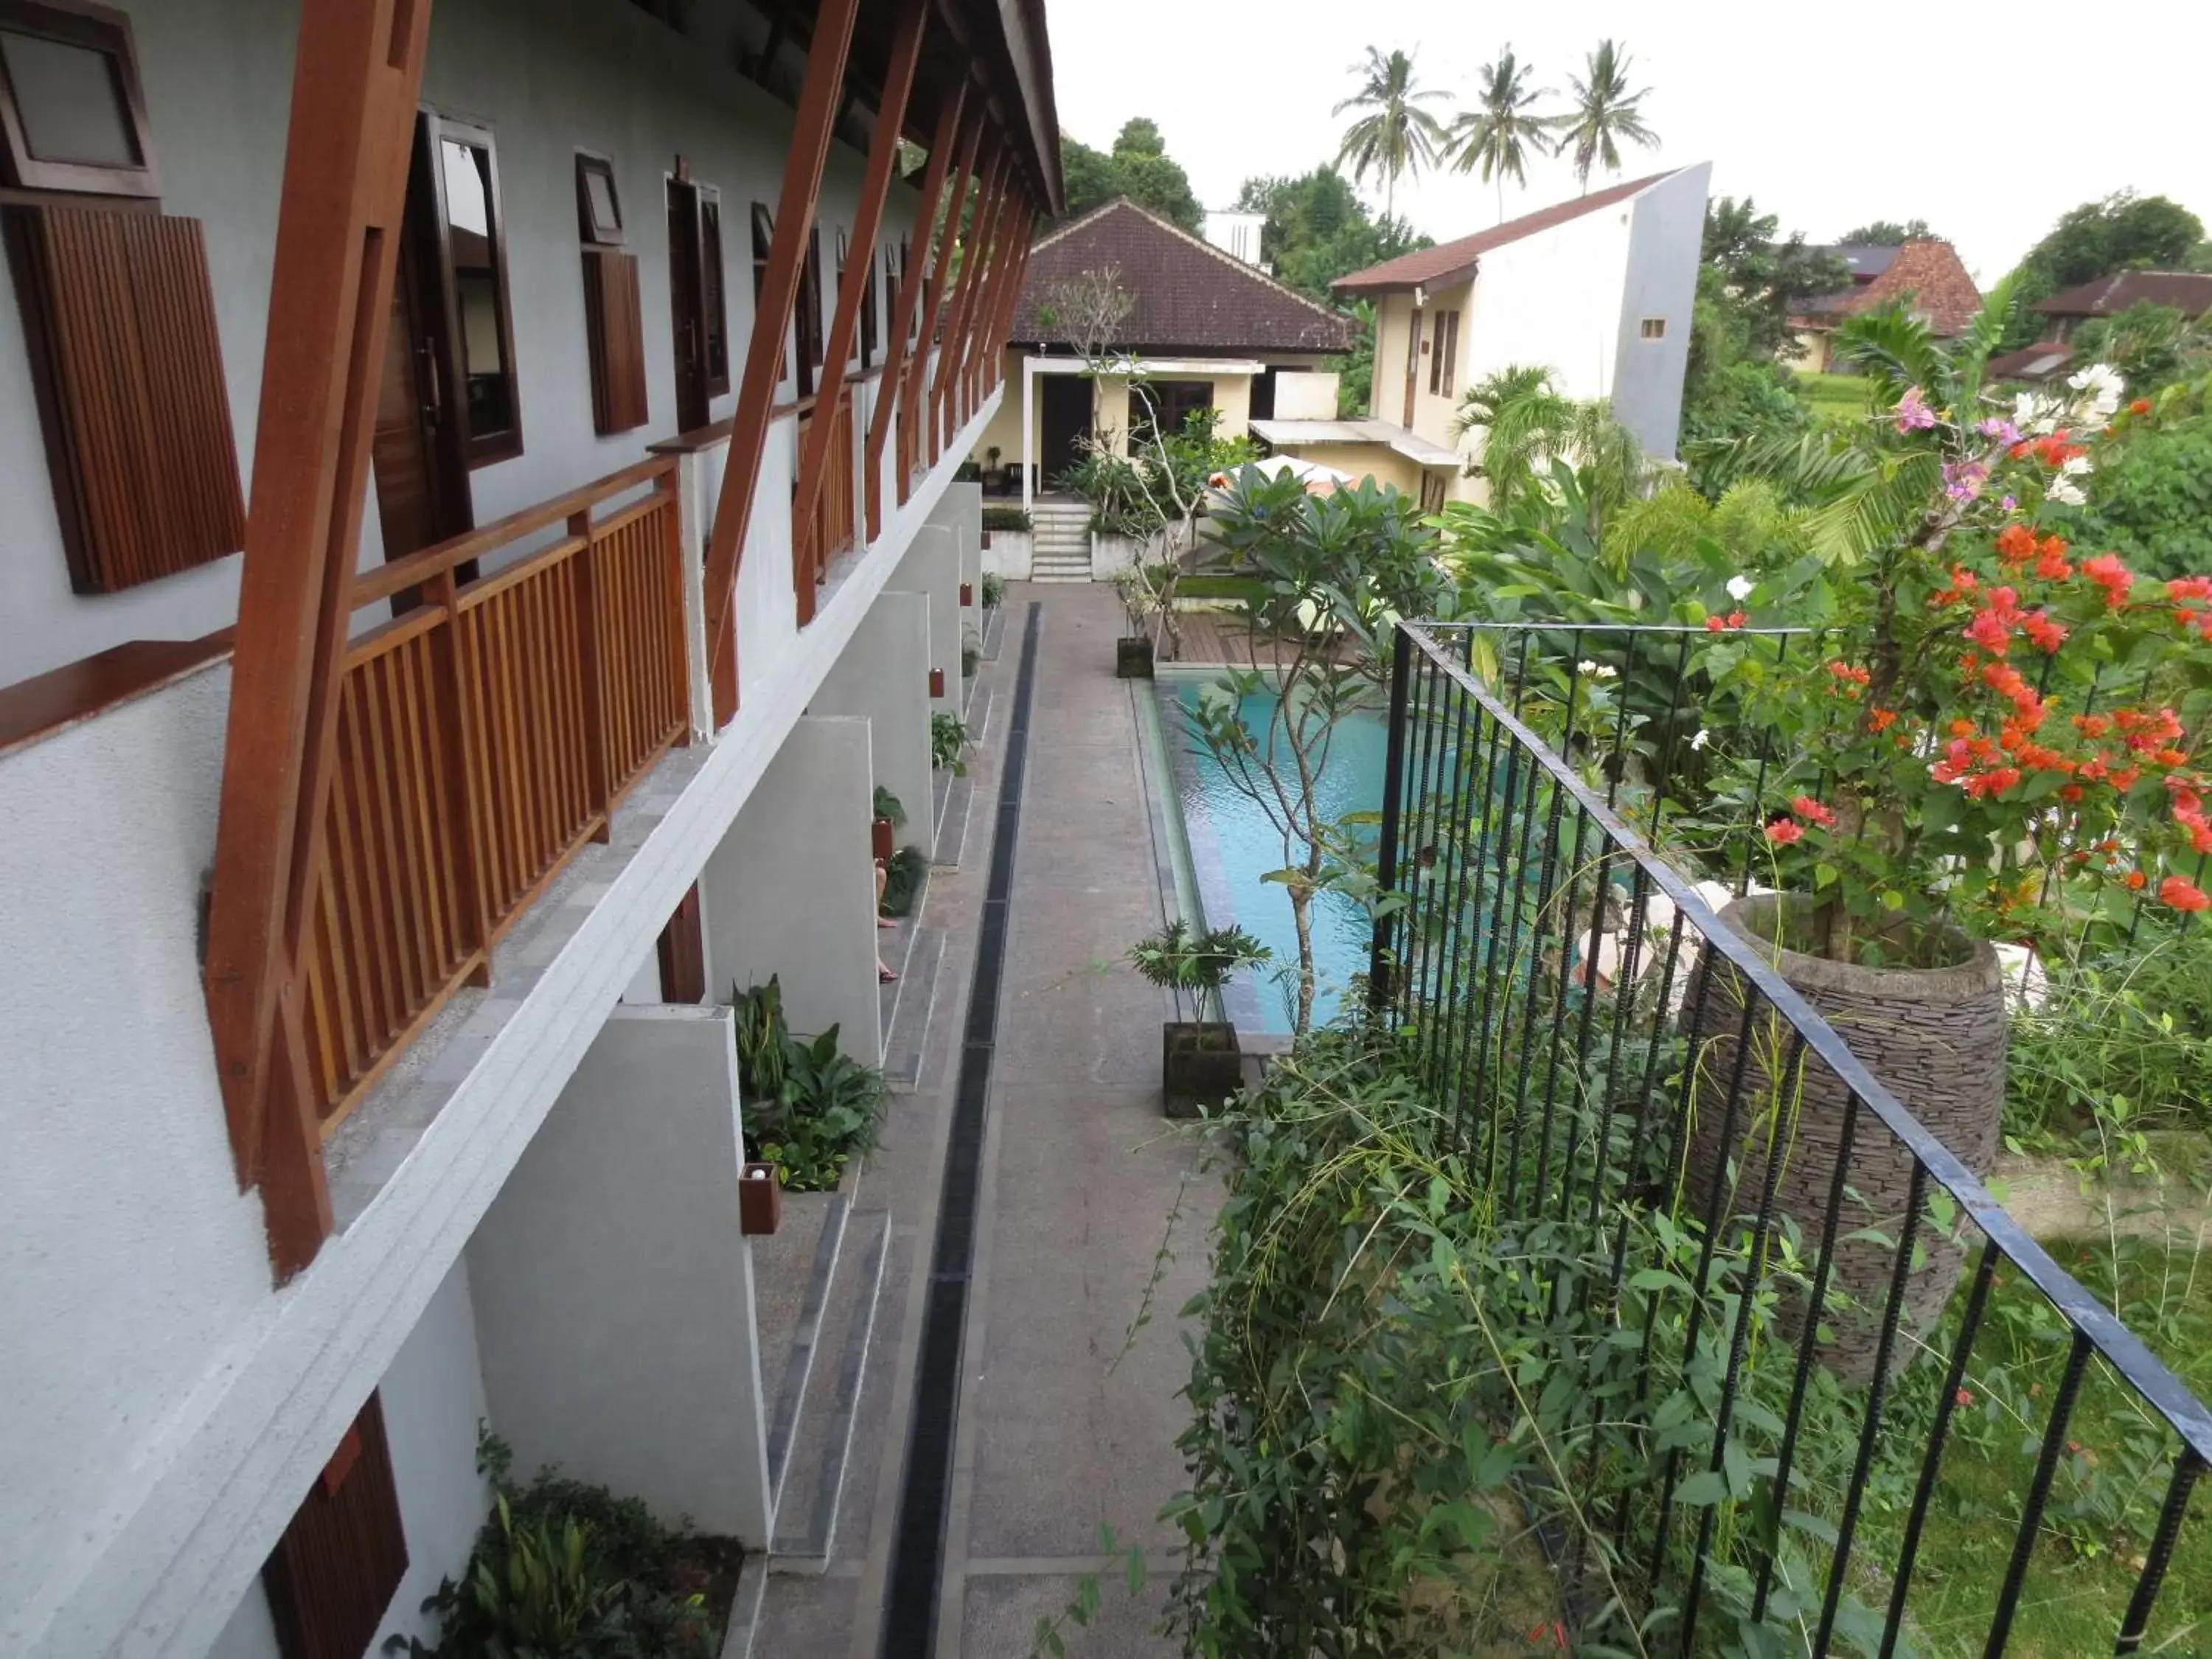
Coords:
pixel 1987 122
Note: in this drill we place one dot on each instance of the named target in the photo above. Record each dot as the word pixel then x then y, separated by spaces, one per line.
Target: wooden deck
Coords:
pixel 1211 638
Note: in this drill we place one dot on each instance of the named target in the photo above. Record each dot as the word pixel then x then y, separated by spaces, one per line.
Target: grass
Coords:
pixel 1835 397
pixel 2108 1487
pixel 1204 585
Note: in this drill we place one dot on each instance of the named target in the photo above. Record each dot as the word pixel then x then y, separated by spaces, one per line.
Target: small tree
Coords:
pixel 1336 572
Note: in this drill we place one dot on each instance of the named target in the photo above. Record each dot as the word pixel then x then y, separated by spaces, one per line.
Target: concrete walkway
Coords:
pixel 1067 1422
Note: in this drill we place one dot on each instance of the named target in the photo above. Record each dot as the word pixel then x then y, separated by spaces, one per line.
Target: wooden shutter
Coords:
pixel 614 330
pixel 118 316
pixel 682 952
pixel 334 1572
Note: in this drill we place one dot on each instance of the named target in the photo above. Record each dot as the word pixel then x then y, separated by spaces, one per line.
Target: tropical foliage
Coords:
pixel 1393 136
pixel 1526 424
pixel 1499 135
pixel 1139 167
pixel 810 1110
pixel 1603 113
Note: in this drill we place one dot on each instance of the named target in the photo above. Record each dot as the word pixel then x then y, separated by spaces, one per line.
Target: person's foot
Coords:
pixel 883 976
pixel 887 924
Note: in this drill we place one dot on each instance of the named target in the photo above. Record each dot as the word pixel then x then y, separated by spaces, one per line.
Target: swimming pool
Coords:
pixel 1231 845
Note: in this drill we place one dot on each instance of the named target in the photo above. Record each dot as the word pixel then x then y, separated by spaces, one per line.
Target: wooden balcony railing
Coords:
pixel 484 737
pixel 830 530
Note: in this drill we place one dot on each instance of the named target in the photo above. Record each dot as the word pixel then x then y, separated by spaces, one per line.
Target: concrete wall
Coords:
pixel 1665 244
pixel 613 1291
pixel 549 76
pixel 1005 428
pixel 883 677
pixel 1554 299
pixel 1010 553
pixel 963 508
pixel 1307 396
pixel 931 565
pixel 791 890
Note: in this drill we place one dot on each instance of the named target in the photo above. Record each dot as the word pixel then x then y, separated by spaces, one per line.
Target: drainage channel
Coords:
pixel 910 1611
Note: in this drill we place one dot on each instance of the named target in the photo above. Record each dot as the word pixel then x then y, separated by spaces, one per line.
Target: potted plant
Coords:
pixel 2002 733
pixel 1141 603
pixel 889 818
pixel 1200 1062
pixel 991 470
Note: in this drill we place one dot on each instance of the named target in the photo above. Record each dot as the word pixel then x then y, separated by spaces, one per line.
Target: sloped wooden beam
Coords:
pixel 986 366
pixel 973 259
pixel 890 390
pixel 859 265
pixel 916 394
pixel 357 77
pixel 810 131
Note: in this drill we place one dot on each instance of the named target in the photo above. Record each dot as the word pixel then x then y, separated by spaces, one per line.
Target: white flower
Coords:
pixel 1703 737
pixel 2075 467
pixel 1596 670
pixel 2032 416
pixel 1740 588
pixel 2062 491
pixel 2102 382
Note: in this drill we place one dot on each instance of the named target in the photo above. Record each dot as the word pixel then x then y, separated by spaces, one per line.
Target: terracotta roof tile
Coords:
pixel 2186 291
pixel 1448 259
pixel 1189 295
pixel 1927 274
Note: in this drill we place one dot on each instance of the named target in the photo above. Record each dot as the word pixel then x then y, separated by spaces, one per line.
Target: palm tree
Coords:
pixel 1605 114
pixel 1396 135
pixel 1497 134
pixel 1527 423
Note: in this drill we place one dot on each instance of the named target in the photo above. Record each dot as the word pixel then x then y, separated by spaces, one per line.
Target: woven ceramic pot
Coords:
pixel 1935 1037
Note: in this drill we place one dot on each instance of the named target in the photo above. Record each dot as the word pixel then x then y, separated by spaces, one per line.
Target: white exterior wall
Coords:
pixel 931 565
pixel 1310 396
pixel 613 1291
pixel 884 677
pixel 549 76
pixel 1553 298
pixel 1666 243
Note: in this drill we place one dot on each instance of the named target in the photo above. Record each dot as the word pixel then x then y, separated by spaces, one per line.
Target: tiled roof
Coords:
pixel 1864 260
pixel 1927 274
pixel 1450 258
pixel 2034 362
pixel 2187 292
pixel 1189 295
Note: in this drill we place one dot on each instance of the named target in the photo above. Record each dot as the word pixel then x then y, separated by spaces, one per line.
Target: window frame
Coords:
pixel 478 449
pixel 99 28
pixel 1651 328
pixel 714 288
pixel 594 234
pixel 1443 354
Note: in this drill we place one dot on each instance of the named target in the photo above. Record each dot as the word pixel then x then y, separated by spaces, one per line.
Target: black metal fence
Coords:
pixel 1837 1398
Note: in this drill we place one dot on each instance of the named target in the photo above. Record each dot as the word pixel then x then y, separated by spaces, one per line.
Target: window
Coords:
pixel 763 239
pixel 868 317
pixel 808 315
pixel 599 209
pixel 1653 328
pixel 335 1570
pixel 712 298
pixel 71 109
pixel 117 307
pixel 1444 353
pixel 473 248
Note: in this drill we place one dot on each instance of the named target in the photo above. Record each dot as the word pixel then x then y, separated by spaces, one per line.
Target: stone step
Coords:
pixel 916 1004
pixel 793 1270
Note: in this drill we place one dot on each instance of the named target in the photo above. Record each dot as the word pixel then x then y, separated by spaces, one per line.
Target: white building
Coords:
pixel 366 1076
pixel 1598 289
pixel 1235 232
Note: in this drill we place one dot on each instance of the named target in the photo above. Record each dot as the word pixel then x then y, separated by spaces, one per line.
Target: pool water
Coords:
pixel 1232 845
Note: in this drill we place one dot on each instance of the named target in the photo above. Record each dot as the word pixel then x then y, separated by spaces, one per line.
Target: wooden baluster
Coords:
pixel 588 672
pixel 464 822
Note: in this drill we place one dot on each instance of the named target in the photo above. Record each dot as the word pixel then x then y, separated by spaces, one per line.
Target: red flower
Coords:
pixel 1965 1396
pixel 2189 587
pixel 2016 543
pixel 2134 881
pixel 2174 891
pixel 2109 574
pixel 1813 812
pixel 2046 633
pixel 2140 406
pixel 1988 630
pixel 1783 831
pixel 1881 719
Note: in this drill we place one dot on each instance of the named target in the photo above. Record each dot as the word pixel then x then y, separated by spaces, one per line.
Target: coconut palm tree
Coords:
pixel 1496 135
pixel 1605 115
pixel 1527 423
pixel 1396 136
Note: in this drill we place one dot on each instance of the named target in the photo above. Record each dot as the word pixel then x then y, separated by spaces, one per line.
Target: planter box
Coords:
pixel 760 1201
pixel 1201 1065
pixel 881 838
pixel 1133 658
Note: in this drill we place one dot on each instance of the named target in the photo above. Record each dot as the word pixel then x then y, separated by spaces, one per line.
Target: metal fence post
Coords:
pixel 1379 975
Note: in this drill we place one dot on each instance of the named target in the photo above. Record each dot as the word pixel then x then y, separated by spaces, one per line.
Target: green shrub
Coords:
pixel 809 1109
pixel 1007 518
pixel 888 805
pixel 948 743
pixel 564 1570
pixel 903 880
pixel 994 588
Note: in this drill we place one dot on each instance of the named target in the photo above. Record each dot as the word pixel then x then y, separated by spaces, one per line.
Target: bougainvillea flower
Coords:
pixel 1783 831
pixel 2134 881
pixel 2174 891
pixel 1913 414
pixel 1813 812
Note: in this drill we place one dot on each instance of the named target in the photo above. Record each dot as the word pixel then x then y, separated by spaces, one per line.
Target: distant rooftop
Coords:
pixel 1864 260
pixel 2187 291
pixel 1927 273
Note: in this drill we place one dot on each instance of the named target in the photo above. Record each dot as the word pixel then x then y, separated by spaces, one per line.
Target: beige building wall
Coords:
pixel 1377 461
pixel 1005 428
pixel 1432 410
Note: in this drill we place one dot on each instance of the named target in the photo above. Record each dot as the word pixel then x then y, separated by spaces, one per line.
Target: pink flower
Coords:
pixel 2173 890
pixel 1963 480
pixel 1783 831
pixel 1913 414
pixel 2003 430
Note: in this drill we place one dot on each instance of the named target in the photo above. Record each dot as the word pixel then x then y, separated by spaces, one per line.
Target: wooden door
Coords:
pixel 687 305
pixel 422 478
pixel 1064 422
